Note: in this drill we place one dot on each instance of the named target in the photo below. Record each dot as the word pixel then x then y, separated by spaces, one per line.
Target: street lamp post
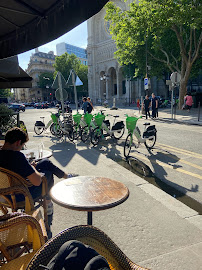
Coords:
pixel 47 86
pixel 104 78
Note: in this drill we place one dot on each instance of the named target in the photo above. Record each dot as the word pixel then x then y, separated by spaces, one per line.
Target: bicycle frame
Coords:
pixel 137 134
pixel 48 124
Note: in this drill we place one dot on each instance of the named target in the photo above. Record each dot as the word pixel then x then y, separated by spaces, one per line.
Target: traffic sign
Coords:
pixel 175 77
pixel 58 94
pixel 146 83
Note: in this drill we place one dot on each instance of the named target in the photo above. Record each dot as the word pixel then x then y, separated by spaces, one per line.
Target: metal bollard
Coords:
pixel 199 105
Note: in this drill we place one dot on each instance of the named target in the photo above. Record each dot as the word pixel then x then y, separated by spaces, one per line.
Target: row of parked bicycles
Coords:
pixel 95 127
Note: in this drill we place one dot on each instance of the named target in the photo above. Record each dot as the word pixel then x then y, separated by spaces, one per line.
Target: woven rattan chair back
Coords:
pixel 88 235
pixel 19 234
pixel 12 184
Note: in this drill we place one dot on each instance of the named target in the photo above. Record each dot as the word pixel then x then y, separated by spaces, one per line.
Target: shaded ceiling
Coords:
pixel 27 24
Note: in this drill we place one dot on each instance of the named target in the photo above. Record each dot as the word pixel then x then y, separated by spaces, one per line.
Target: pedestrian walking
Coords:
pixel 154 103
pixel 146 105
pixel 188 101
pixel 138 104
pixel 84 105
pixel 90 108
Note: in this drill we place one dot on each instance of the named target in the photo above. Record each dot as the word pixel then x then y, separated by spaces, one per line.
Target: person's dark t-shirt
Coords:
pixel 15 161
pixel 146 103
pixel 154 102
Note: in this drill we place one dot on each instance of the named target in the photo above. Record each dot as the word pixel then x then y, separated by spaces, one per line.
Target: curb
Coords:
pixel 178 122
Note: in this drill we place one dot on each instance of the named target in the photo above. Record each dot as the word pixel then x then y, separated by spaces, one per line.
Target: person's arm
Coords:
pixel 35 178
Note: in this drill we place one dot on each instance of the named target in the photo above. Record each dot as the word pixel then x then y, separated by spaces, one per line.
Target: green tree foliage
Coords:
pixel 5 93
pixel 83 75
pixel 45 79
pixel 169 30
pixel 65 63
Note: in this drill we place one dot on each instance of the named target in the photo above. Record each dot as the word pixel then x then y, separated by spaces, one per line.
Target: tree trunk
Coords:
pixel 183 84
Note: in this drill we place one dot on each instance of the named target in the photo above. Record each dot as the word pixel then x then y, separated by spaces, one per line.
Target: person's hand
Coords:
pixel 33 163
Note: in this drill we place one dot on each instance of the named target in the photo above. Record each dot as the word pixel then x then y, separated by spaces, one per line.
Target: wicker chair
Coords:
pixel 88 235
pixel 12 184
pixel 19 234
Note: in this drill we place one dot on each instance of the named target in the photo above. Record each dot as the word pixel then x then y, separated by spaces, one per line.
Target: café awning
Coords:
pixel 27 24
pixel 12 75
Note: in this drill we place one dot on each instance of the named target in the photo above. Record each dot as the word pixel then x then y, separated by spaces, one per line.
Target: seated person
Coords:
pixel 12 159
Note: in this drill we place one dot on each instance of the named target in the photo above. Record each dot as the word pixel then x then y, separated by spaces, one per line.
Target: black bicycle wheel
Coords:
pixel 85 133
pixel 127 145
pixel 38 129
pixel 150 142
pixel 55 130
pixel 118 133
pixel 70 135
pixel 76 132
pixel 96 135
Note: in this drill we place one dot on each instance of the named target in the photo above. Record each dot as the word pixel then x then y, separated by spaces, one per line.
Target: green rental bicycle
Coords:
pixel 148 138
pixel 103 128
pixel 89 126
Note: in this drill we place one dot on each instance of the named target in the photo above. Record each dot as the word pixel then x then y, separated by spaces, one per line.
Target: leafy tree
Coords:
pixel 168 30
pixel 5 93
pixel 83 75
pixel 65 63
pixel 45 79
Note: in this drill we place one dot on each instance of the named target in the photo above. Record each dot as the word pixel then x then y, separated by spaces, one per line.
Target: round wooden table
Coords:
pixel 88 193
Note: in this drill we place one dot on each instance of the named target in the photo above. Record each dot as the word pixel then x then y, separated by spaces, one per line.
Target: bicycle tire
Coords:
pixel 38 129
pixel 128 145
pixel 55 130
pixel 118 134
pixel 149 143
pixel 85 133
pixel 96 135
pixel 70 136
pixel 76 132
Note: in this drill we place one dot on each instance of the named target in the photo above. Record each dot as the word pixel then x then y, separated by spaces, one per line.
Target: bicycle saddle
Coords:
pixel 42 117
pixel 146 124
pixel 115 116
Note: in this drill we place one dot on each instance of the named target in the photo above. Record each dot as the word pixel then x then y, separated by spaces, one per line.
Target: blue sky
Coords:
pixel 77 37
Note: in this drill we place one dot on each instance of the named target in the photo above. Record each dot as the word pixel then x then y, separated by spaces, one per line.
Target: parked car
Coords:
pixel 44 105
pixel 17 107
pixel 37 105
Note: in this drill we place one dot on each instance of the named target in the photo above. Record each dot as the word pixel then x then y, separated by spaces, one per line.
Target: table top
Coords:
pixel 45 154
pixel 88 193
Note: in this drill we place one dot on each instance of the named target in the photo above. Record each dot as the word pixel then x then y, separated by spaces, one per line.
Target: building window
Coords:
pixel 38 92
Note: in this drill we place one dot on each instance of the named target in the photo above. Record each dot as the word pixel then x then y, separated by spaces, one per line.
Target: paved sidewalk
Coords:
pixel 181 117
pixel 152 228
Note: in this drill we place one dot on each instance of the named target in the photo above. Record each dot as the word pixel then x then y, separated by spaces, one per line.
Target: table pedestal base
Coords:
pixel 90 218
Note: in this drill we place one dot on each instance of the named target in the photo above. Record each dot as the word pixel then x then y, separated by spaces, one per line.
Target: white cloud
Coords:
pixel 77 37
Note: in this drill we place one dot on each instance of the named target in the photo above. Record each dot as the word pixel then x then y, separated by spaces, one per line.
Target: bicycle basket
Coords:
pixel 39 124
pixel 99 119
pixel 54 117
pixel 88 118
pixel 77 118
pixel 131 123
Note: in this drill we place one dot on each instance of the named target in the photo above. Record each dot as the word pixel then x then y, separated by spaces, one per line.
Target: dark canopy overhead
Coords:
pixel 27 24
pixel 12 75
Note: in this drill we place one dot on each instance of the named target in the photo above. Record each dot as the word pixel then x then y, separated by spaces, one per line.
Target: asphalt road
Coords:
pixel 176 158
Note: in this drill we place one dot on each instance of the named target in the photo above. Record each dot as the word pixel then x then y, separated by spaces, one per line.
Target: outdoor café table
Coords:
pixel 36 157
pixel 88 193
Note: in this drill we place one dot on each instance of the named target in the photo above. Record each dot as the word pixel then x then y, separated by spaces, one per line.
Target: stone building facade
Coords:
pixel 105 76
pixel 40 62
